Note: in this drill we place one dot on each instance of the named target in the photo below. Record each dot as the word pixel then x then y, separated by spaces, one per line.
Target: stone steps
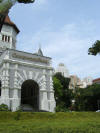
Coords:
pixel 27 107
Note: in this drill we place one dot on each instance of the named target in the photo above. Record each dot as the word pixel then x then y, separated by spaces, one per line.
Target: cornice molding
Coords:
pixel 26 64
pixel 38 59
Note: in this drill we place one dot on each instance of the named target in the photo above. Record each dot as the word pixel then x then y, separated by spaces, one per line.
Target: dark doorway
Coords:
pixel 30 95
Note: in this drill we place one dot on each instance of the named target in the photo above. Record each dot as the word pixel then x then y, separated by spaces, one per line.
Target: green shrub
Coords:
pixel 61 109
pixel 4 107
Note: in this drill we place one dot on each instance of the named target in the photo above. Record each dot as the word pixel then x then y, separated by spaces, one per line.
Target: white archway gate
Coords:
pixel 16 68
pixel 46 93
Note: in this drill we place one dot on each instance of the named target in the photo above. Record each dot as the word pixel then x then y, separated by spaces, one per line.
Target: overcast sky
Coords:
pixel 64 28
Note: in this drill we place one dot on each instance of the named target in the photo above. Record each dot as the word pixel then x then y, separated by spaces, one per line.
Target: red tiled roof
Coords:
pixel 95 80
pixel 9 22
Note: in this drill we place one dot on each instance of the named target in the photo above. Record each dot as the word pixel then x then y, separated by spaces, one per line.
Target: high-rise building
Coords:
pixel 63 70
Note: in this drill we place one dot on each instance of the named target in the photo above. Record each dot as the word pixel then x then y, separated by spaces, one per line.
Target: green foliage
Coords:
pixel 63 95
pixel 3 107
pixel 87 99
pixel 58 88
pixel 4 7
pixel 64 81
pixel 7 4
pixel 61 109
pixel 25 1
pixel 95 49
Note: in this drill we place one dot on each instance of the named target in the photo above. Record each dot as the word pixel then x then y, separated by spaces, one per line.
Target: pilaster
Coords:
pixel 51 101
pixel 5 85
pixel 16 77
pixel 43 94
pixel 51 81
pixel 15 99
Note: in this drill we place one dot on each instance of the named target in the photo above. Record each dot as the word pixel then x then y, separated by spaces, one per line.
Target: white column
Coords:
pixel 15 99
pixel 16 77
pixel 51 81
pixel 44 80
pixel 5 85
pixel 15 93
pixel 52 103
pixel 43 94
pixel 7 76
pixel 3 76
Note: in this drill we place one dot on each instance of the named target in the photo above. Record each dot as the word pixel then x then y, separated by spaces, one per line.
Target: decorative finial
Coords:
pixel 39 50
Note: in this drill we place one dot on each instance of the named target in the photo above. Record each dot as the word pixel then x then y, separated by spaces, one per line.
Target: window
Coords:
pixel 8 38
pixel 2 37
pixel 5 38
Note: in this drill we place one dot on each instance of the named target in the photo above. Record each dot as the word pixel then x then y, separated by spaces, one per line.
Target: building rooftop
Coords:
pixel 9 22
pixel 95 80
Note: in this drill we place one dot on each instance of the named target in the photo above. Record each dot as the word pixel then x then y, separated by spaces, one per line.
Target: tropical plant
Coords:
pixel 4 107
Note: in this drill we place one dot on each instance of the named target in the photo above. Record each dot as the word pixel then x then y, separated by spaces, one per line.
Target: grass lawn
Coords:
pixel 73 122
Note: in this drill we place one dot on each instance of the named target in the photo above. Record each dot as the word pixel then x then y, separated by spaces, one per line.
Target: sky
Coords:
pixel 64 29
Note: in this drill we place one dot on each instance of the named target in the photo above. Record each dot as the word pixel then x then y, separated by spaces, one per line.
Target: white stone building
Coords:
pixel 88 80
pixel 63 70
pixel 25 78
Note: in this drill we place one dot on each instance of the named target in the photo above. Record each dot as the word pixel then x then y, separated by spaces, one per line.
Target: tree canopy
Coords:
pixel 5 5
pixel 25 1
pixel 63 95
pixel 87 99
pixel 95 49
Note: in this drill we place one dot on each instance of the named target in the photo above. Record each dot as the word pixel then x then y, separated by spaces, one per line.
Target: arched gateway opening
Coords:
pixel 30 96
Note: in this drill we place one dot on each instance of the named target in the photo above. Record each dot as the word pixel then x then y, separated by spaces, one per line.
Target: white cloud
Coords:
pixel 69 45
pixel 41 2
